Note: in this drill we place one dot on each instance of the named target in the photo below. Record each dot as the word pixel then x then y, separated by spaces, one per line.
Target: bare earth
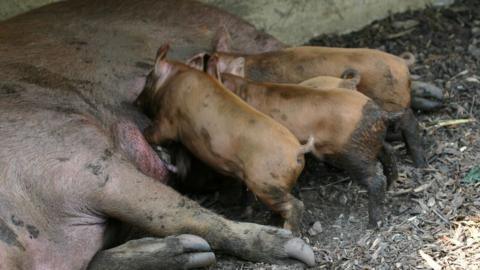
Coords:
pixel 433 214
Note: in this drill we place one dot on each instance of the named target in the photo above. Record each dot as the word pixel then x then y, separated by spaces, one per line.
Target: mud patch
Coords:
pixel 11 89
pixel 8 236
pixel 33 231
pixel 45 78
pixel 16 221
pixel 95 169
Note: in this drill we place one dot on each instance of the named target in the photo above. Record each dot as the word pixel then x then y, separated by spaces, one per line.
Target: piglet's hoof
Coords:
pixel 426 97
pixel 174 252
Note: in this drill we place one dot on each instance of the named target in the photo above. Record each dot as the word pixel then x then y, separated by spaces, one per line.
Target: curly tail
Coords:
pixel 409 58
pixel 308 147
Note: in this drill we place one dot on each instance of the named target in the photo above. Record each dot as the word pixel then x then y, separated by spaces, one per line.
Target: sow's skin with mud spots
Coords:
pixel 70 156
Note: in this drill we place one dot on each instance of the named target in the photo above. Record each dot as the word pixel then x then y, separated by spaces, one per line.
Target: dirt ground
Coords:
pixel 433 214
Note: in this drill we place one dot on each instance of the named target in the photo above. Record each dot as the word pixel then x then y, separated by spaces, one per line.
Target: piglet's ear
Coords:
pixel 161 54
pixel 197 61
pixel 162 51
pixel 212 67
pixel 223 40
pixel 163 71
pixel 237 67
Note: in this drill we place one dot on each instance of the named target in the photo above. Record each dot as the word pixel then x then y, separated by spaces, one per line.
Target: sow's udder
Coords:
pixel 130 140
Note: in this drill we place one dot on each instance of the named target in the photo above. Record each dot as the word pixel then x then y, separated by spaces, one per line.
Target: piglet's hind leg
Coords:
pixel 410 132
pixel 389 163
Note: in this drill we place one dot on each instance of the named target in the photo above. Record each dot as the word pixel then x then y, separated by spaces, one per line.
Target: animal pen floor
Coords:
pixel 433 214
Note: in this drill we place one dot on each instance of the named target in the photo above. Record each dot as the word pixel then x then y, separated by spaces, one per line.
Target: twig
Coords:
pixel 401 192
pixel 461 73
pixel 473 104
pixel 423 187
pixel 327 185
pixel 441 216
pixel 412 190
pixel 452 122
pixel 399 34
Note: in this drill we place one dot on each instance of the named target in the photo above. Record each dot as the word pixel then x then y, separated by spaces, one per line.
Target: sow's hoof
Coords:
pixel 174 252
pixel 426 97
pixel 269 244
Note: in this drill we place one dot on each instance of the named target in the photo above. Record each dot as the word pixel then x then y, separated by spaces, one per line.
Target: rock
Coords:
pixel 315 229
pixel 476 31
pixel 473 176
pixel 474 51
pixel 405 24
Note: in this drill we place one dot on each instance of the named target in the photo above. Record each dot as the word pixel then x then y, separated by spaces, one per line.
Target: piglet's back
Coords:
pixel 200 96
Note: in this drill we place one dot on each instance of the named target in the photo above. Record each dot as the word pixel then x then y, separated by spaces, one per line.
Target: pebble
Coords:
pixel 315 229
pixel 405 24
pixel 474 51
pixel 476 31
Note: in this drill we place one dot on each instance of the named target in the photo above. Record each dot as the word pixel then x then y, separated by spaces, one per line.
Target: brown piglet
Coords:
pixel 226 133
pixel 348 128
pixel 385 78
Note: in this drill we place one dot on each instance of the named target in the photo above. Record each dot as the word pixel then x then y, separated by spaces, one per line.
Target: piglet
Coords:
pixel 385 78
pixel 348 128
pixel 226 133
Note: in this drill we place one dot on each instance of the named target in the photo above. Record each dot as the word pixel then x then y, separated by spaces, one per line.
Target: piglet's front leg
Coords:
pixel 143 202
pixel 411 134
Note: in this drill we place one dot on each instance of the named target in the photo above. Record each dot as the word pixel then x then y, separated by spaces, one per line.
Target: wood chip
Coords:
pixel 430 261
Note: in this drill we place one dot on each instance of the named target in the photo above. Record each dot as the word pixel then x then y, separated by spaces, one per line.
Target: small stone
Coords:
pixel 431 202
pixel 415 77
pixel 405 24
pixel 442 3
pixel 474 51
pixel 315 229
pixel 476 31
pixel 343 199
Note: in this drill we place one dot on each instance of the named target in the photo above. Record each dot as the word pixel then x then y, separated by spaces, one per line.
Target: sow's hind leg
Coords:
pixel 138 200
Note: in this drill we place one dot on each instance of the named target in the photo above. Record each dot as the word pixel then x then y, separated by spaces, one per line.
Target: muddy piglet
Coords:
pixel 385 78
pixel 348 128
pixel 219 128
